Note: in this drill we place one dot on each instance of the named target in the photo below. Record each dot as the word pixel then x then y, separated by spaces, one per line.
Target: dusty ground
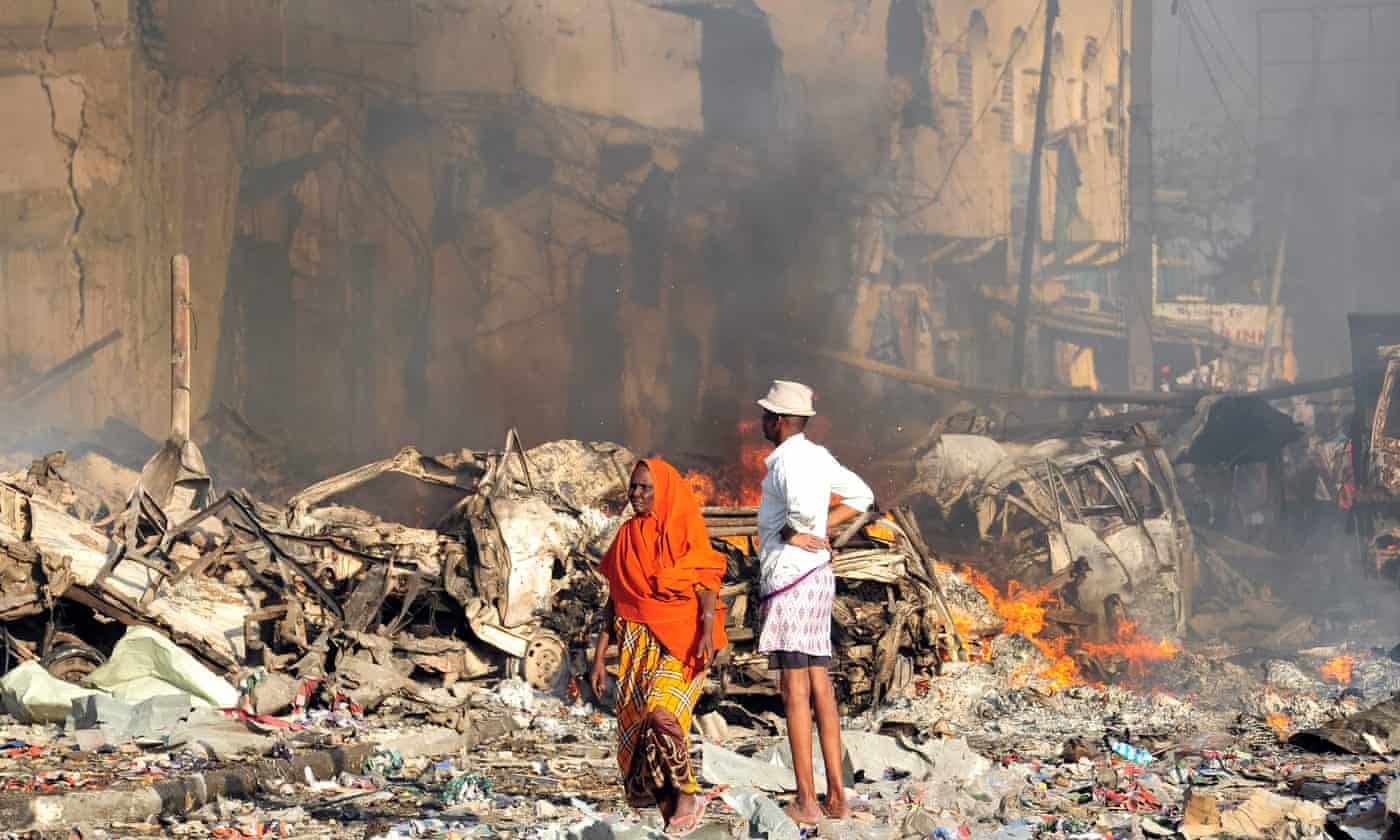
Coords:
pixel 985 751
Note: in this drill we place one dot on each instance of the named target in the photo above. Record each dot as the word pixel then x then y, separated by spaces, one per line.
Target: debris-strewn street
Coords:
pixel 234 668
pixel 385 454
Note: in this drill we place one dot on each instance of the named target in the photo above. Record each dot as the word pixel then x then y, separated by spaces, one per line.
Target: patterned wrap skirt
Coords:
pixel 799 619
pixel 653 750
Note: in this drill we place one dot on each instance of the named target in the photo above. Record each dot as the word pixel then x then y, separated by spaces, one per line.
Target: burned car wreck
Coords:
pixel 1097 515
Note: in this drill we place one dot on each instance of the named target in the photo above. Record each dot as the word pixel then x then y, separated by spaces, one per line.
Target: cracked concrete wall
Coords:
pixel 68 209
pixel 423 220
pixel 300 155
pixel 417 200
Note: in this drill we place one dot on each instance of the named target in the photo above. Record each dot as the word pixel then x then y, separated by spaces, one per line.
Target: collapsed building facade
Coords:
pixel 616 192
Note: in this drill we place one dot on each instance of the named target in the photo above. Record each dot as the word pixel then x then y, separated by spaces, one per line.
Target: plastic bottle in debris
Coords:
pixel 1136 755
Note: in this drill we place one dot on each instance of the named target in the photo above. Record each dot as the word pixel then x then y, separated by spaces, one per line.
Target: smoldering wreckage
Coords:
pixel 1033 640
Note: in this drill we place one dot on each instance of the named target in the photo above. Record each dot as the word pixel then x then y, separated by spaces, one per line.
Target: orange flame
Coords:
pixel 1280 722
pixel 1138 648
pixel 882 532
pixel 1024 611
pixel 737 484
pixel 1338 669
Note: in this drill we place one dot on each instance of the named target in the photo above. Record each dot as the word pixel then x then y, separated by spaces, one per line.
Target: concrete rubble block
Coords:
pixel 131 720
pixel 92 740
pixel 765 818
pixel 872 754
pixel 719 766
pixel 1202 817
pixel 1265 814
pixel 486 728
pixel 274 694
pixel 221 737
pixel 1392 798
pixel 780 755
pixel 433 741
pixel 714 727
pixel 952 760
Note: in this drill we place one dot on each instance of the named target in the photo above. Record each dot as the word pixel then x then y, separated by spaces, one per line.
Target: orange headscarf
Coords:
pixel 657 561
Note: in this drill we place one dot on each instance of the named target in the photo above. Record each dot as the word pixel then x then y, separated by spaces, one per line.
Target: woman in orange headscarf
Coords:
pixel 663 608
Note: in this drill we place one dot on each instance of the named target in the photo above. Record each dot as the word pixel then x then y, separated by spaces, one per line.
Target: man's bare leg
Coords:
pixel 797 704
pixel 829 729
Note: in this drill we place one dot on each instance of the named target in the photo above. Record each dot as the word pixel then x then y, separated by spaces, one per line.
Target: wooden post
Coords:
pixel 180 355
pixel 1032 238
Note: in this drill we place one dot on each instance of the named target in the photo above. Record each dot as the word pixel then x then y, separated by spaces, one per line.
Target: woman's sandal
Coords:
pixel 686 823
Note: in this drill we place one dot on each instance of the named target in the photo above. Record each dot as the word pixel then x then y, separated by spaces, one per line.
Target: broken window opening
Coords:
pixel 964 96
pixel 906 57
pixel 739 67
pixel 1391 426
pixel 1142 490
pixel 1008 108
pixel 979 82
pixel 1097 491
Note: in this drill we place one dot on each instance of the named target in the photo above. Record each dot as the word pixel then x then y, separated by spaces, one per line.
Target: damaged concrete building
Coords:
pixel 407 226
pixel 409 204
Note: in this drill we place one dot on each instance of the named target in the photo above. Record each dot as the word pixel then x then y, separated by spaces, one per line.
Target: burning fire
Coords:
pixel 1138 648
pixel 1280 722
pixel 882 532
pixel 737 484
pixel 1024 611
pixel 1338 669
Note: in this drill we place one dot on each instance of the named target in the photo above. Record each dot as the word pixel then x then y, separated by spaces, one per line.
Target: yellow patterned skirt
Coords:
pixel 654 705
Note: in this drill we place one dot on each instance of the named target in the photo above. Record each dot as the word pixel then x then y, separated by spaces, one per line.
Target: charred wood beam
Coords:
pixel 854 528
pixel 905 519
pixel 1166 398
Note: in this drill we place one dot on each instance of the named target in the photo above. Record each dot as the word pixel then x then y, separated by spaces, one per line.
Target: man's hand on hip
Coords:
pixel 809 542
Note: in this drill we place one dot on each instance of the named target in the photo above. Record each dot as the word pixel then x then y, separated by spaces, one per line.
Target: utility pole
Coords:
pixel 1307 145
pixel 1136 281
pixel 1032 238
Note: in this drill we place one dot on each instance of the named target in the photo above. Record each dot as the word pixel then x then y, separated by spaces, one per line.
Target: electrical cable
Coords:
pixel 953 161
pixel 1189 19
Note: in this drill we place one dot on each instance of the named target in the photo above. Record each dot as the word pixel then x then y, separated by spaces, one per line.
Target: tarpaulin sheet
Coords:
pixel 145 664
pixel 33 695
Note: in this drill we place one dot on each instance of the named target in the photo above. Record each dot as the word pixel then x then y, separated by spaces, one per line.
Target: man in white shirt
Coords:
pixel 798 586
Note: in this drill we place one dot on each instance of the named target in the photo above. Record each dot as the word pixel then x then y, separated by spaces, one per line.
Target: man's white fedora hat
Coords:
pixel 792 399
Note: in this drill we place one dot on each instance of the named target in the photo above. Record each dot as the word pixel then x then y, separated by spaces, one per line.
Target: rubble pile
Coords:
pixel 318 586
pixel 396 648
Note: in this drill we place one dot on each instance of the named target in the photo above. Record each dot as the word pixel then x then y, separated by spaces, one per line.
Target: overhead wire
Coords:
pixel 1189 19
pixel 1226 68
pixel 1229 42
pixel 1001 77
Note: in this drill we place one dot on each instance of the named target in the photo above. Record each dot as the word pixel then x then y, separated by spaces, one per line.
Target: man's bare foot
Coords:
pixel 836 808
pixel 808 813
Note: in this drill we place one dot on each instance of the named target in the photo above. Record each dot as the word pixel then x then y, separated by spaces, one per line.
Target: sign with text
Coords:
pixel 1241 323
